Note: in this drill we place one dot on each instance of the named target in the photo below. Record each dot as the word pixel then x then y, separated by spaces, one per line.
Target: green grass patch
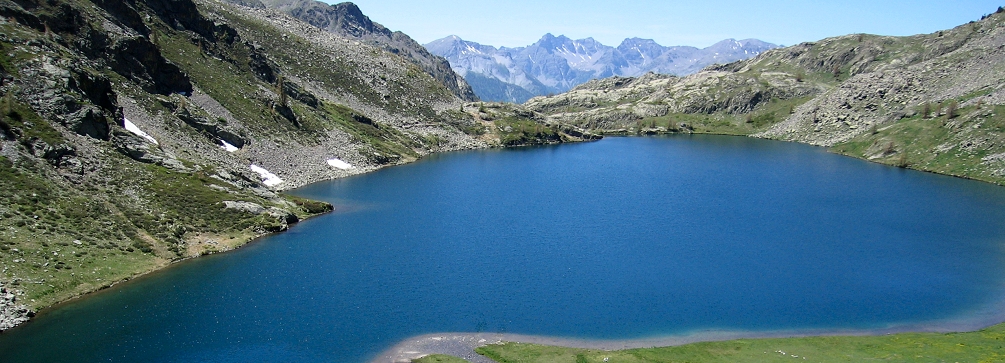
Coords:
pixel 514 131
pixel 19 118
pixel 719 123
pixel 986 345
pixel 310 207
pixel 938 144
pixel 61 241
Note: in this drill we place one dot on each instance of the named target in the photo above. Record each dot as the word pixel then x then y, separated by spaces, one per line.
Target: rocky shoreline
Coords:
pixel 12 313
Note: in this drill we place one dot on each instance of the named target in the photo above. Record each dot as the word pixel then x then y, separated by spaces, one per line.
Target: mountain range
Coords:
pixel 555 64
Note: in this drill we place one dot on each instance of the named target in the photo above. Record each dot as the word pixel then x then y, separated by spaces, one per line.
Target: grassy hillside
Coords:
pixel 861 95
pixel 131 132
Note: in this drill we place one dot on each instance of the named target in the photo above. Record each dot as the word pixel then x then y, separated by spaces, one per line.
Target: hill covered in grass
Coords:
pixel 931 102
pixel 136 133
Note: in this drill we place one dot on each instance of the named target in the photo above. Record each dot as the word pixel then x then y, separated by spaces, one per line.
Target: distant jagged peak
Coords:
pixel 563 43
pixel 556 63
pixel 745 43
pixel 636 41
pixel 453 45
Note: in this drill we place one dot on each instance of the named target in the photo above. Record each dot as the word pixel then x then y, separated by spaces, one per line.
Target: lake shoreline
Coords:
pixel 11 309
pixel 463 345
pixel 15 312
pixel 596 344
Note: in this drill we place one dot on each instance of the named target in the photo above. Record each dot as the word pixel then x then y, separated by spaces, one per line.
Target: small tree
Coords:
pixel 951 109
pixel 926 111
pixel 902 161
pixel 800 76
pixel 861 37
pixel 280 89
pixel 7 105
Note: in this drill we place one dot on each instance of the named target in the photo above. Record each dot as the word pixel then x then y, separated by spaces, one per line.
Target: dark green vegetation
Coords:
pixel 514 132
pixel 986 345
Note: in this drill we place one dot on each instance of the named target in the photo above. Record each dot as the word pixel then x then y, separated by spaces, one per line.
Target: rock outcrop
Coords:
pixel 12 313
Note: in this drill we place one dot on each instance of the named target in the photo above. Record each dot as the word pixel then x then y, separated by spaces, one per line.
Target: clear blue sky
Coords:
pixel 697 23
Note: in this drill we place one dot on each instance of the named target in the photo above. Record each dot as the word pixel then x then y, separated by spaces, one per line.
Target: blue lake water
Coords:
pixel 616 239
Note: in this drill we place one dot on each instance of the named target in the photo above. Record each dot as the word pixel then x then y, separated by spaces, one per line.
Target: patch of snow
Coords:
pixel 131 127
pixel 336 163
pixel 227 146
pixel 268 178
pixel 471 49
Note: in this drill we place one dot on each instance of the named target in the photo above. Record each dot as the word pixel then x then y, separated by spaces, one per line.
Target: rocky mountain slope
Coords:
pixel 932 102
pixel 347 20
pixel 557 64
pixel 135 133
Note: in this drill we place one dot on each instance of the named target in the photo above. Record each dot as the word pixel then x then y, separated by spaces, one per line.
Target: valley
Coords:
pixel 137 134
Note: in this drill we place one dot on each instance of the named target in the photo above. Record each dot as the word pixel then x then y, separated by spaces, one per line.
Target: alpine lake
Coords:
pixel 623 238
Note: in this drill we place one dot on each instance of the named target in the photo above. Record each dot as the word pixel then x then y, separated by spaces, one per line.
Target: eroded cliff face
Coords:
pixel 136 133
pixel 932 102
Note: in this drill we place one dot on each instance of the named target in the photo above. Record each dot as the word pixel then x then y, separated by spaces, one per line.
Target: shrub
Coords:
pixel 951 109
pixel 902 161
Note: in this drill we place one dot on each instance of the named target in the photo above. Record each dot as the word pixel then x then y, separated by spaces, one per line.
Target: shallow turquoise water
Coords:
pixel 621 238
